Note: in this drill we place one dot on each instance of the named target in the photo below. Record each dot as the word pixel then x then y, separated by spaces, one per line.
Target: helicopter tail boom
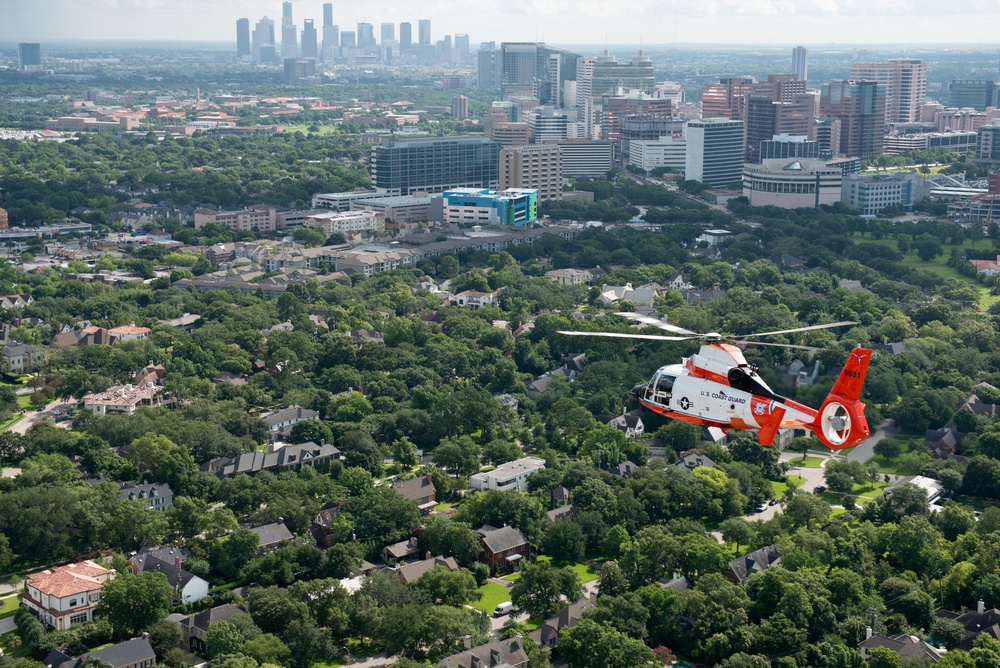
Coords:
pixel 840 422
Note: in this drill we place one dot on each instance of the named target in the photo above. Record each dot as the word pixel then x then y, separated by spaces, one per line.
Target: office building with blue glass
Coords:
pixel 406 166
pixel 471 206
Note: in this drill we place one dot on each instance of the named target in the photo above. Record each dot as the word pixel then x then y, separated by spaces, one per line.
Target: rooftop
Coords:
pixel 70 579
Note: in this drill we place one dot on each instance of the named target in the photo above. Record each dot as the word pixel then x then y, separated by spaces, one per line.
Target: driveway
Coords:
pixel 32 417
pixel 866 450
pixel 7 625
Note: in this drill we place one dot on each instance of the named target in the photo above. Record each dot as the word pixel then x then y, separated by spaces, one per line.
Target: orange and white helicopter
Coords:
pixel 718 388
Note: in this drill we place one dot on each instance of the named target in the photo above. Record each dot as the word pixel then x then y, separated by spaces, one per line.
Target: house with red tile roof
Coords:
pixel 66 595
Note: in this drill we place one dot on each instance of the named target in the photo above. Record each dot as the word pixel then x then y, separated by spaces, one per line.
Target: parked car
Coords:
pixel 772 502
pixel 819 489
pixel 761 507
pixel 502 609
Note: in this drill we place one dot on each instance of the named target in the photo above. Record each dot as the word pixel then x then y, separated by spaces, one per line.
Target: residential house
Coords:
pixel 931 487
pixel 271 536
pixel 158 496
pixel 508 476
pixel 574 363
pixel 412 572
pixel 228 378
pixel 625 469
pixel 185 322
pixel 945 443
pixel 987 267
pixel 323 523
pixel 680 282
pixel 503 547
pixel 194 628
pixel 288 458
pixel 570 276
pixel 282 421
pixel 540 384
pixel 563 512
pixel 896 348
pixel 798 374
pixel 547 635
pixel 88 336
pixel 135 653
pixel 975 623
pixel 792 262
pixel 123 399
pixel 15 301
pixel 678 584
pixel 475 299
pixel 171 554
pixel 693 460
pixel 364 336
pixel 507 400
pixel 130 332
pixel 641 297
pixel 560 495
pixel 187 587
pixel 630 423
pixel 397 552
pixel 508 653
pixel 151 373
pixel 22 358
pixel 906 646
pixel 756 562
pixel 419 490
pixel 66 595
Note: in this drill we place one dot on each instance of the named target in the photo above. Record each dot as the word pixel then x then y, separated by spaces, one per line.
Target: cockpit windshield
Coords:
pixel 660 389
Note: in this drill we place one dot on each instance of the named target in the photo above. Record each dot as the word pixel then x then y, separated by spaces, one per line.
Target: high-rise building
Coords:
pixel 289 35
pixel 460 107
pixel 242 38
pixel 434 164
pixel 536 167
pixel 584 78
pixel 29 56
pixel 310 48
pixel 388 32
pixel 714 151
pixel 405 36
pixel 973 94
pixel 766 119
pixel 299 70
pixel 826 132
pixel 585 157
pixel 424 27
pixel 905 83
pixel 348 38
pixel 328 13
pixel 726 99
pixel 860 107
pixel 620 107
pixel 535 70
pixel 366 36
pixel 490 69
pixel 546 124
pixel 988 142
pixel 461 47
pixel 331 34
pixel 610 77
pixel 262 41
pixel 789 146
pixel 800 63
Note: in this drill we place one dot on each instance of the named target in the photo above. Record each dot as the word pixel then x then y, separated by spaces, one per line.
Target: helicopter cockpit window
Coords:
pixel 662 387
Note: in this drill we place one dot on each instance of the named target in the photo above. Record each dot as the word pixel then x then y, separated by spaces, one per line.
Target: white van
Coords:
pixel 503 609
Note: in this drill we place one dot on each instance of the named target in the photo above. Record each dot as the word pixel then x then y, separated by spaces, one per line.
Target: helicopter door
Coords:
pixel 663 387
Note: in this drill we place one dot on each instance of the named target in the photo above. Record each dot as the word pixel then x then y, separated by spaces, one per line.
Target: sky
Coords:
pixel 660 22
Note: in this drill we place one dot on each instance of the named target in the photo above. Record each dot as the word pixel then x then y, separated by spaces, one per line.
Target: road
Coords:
pixel 32 417
pixel 866 450
pixel 7 625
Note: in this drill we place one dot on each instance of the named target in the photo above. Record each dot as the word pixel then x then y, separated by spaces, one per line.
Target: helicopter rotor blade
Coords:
pixel 656 322
pixel 797 329
pixel 618 335
pixel 811 349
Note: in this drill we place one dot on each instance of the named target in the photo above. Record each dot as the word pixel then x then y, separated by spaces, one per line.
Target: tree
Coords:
pixel 747 449
pixel 564 541
pixel 164 459
pixel 458 456
pixel 883 657
pixel 449 587
pixel 223 639
pixel 232 552
pixel 445 537
pixel 593 645
pixel 948 632
pixel 737 530
pixel 133 602
pixel 165 635
pixel 541 585
pixel 268 648
pixel 612 581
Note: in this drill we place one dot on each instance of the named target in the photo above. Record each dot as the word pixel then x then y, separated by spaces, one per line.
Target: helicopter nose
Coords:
pixel 638 391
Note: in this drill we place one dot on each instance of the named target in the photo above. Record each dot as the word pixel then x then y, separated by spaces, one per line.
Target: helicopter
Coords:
pixel 717 387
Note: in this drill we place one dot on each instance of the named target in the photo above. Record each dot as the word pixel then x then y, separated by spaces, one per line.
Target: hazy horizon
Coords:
pixel 658 23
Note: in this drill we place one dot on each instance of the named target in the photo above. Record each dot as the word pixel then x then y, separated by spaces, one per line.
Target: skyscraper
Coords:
pixel 405 36
pixel 262 41
pixel 388 32
pixel 460 107
pixel 366 35
pixel 714 151
pixel 726 99
pixel 309 46
pixel 536 70
pixel 462 47
pixel 289 36
pixel 608 75
pixel 766 118
pixel 434 164
pixel 424 27
pixel 490 69
pixel 328 13
pixel 286 12
pixel 242 38
pixel 860 107
pixel 800 63
pixel 29 56
pixel 904 81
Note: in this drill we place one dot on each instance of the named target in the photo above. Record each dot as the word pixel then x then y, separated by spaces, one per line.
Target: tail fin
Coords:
pixel 840 422
pixel 852 377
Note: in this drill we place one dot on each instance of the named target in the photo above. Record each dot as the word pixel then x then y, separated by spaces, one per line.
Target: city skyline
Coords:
pixel 811 22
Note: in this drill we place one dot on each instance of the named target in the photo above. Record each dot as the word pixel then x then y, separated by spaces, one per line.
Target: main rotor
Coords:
pixel 710 337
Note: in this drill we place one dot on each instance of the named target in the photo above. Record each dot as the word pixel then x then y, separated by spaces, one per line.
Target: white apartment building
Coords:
pixel 512 475
pixel 347 222
pixel 666 151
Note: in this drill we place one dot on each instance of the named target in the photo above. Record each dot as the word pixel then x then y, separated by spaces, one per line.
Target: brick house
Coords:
pixel 502 548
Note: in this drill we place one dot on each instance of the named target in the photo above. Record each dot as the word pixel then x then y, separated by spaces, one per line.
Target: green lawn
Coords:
pixel 24 400
pixel 5 646
pixel 586 573
pixel 863 493
pixel 885 465
pixel 780 487
pixel 358 649
pixel 330 663
pixel 9 605
pixel 304 129
pixel 809 462
pixel 444 508
pixel 493 595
